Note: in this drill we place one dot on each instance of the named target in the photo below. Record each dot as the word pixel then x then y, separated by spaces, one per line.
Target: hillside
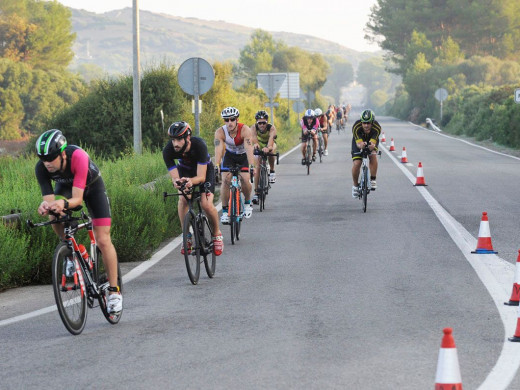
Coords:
pixel 106 40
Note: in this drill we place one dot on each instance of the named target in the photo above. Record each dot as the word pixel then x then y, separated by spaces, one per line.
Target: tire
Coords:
pixel 309 159
pixel 101 279
pixel 262 189
pixel 70 292
pixel 232 213
pixel 320 147
pixel 364 189
pixel 192 258
pixel 206 238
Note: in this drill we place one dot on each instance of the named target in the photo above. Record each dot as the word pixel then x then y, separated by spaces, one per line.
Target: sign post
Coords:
pixel 441 95
pixel 196 77
pixel 271 83
pixel 517 95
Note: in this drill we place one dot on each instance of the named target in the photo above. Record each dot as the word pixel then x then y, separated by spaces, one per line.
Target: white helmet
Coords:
pixel 309 113
pixel 318 112
pixel 229 112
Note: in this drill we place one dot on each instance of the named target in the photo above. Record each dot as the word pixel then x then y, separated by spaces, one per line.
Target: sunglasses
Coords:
pixel 262 123
pixel 48 158
pixel 230 119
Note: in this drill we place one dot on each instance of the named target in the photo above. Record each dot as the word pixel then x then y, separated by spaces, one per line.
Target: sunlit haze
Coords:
pixel 341 21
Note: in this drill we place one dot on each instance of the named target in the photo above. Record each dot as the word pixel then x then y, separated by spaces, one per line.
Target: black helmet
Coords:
pixel 179 129
pixel 50 144
pixel 367 116
pixel 262 115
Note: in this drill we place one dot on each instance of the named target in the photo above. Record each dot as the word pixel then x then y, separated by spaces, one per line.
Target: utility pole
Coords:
pixel 138 143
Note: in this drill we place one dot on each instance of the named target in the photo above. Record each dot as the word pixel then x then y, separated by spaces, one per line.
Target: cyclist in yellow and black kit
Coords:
pixel 365 131
pixel 264 138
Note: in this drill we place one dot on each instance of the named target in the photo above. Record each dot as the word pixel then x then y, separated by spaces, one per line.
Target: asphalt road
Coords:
pixel 316 294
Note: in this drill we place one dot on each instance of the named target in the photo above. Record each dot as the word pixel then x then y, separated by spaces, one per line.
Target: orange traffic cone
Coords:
pixel 516 337
pixel 484 245
pixel 404 159
pixel 420 176
pixel 515 294
pixel 448 371
pixel 383 137
pixel 392 147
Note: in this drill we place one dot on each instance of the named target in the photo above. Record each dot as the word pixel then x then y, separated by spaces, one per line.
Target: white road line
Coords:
pixel 495 273
pixel 134 273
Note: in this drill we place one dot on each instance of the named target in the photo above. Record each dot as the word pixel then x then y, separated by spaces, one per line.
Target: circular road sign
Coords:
pixel 298 106
pixel 441 94
pixel 186 75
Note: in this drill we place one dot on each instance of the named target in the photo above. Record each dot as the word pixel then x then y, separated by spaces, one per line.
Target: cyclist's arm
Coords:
pixel 254 138
pixel 174 174
pixel 248 144
pixel 220 146
pixel 272 134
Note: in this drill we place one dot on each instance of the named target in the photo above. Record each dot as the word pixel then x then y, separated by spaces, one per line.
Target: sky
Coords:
pixel 341 21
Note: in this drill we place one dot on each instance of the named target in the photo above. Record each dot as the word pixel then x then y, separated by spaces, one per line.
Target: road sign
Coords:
pixel 298 106
pixel 517 95
pixel 195 77
pixel 441 94
pixel 290 88
pixel 271 83
pixel 195 69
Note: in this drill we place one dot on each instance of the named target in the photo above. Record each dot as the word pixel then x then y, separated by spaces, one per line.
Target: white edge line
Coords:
pixel 496 275
pixel 132 274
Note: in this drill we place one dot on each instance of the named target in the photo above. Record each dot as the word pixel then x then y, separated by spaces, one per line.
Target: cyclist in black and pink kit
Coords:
pixel 77 179
pixel 189 162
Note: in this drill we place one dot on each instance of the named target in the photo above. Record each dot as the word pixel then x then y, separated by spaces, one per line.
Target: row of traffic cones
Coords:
pixel 404 159
pixel 484 246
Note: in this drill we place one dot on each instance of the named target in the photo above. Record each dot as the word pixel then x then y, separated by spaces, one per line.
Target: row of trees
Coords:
pixel 35 49
pixel 447 43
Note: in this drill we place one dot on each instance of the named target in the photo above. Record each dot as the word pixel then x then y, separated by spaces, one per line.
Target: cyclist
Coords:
pixel 324 128
pixel 77 179
pixel 331 112
pixel 365 131
pixel 264 136
pixel 233 145
pixel 339 115
pixel 310 126
pixel 189 162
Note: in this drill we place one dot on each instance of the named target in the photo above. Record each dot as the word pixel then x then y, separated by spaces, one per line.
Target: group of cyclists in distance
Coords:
pixel 77 178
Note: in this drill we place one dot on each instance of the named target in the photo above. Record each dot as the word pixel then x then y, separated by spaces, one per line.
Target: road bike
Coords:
pixel 364 187
pixel 236 202
pixel 307 161
pixel 197 236
pixel 321 149
pixel 79 278
pixel 263 176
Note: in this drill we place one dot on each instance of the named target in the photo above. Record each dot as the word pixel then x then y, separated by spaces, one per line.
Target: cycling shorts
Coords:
pixel 95 198
pixel 356 152
pixel 231 159
pixel 210 176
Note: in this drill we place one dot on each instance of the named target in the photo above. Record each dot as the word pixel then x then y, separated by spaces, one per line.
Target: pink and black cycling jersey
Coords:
pixel 315 125
pixel 80 172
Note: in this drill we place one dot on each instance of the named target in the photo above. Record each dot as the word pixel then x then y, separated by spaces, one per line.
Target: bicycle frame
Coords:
pixel 263 181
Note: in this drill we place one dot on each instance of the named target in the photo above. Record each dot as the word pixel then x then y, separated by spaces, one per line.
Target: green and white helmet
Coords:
pixel 368 116
pixel 50 144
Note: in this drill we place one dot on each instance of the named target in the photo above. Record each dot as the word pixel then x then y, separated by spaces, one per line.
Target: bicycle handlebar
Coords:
pixel 67 218
pixel 188 191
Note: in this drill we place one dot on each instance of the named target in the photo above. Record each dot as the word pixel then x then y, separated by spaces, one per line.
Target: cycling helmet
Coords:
pixel 179 129
pixel 262 115
pixel 309 114
pixel 318 112
pixel 50 144
pixel 367 116
pixel 229 112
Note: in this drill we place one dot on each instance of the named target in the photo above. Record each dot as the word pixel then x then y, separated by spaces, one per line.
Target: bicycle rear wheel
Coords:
pixel 101 279
pixel 206 238
pixel 69 289
pixel 191 255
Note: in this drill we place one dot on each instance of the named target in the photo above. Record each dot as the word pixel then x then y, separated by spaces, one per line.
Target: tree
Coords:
pixel 341 75
pixel 257 56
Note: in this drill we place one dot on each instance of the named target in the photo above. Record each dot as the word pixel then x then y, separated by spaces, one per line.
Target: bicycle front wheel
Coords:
pixel 262 190
pixel 69 288
pixel 320 147
pixel 309 158
pixel 364 189
pixel 191 252
pixel 206 238
pixel 101 279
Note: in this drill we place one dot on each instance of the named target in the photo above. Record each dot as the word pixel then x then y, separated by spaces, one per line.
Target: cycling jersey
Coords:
pixel 313 126
pixel 359 135
pixel 323 121
pixel 187 163
pixel 82 173
pixel 234 145
pixel 263 137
